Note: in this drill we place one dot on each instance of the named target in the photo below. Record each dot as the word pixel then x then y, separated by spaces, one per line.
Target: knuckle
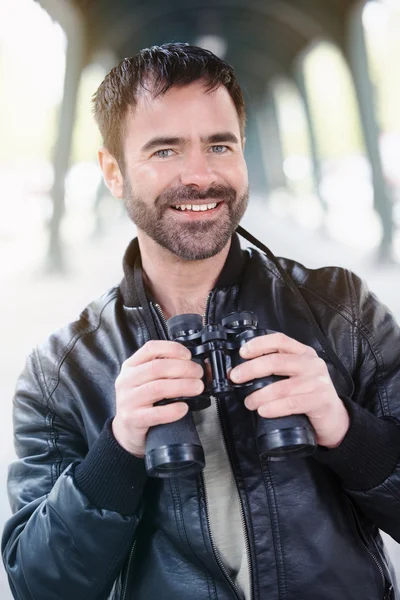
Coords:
pixel 151 346
pixel 320 364
pixel 280 337
pixel 118 382
pixel 122 396
pixel 124 366
pixel 184 370
pixel 140 420
pixel 157 414
pixel 122 373
pixel 277 360
pixel 189 387
pixel 188 368
pixel 155 368
pixel 292 404
pixel 124 415
pixel 283 387
pixel 155 389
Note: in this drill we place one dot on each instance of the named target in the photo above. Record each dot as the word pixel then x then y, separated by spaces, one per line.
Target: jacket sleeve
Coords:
pixel 75 511
pixel 368 459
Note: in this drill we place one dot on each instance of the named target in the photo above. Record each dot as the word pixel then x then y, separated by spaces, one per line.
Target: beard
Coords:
pixel 188 240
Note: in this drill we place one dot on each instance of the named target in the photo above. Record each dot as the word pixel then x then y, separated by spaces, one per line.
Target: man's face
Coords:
pixel 185 177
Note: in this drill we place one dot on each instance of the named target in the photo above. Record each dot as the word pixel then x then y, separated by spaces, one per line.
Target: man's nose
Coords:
pixel 196 170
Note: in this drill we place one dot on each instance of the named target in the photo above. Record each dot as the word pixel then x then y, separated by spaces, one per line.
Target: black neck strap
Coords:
pixel 307 311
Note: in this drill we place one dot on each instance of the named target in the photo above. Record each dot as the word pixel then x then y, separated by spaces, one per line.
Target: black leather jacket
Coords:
pixel 89 524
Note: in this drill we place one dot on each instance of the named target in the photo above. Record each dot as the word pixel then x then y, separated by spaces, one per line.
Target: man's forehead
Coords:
pixel 148 100
pixel 180 104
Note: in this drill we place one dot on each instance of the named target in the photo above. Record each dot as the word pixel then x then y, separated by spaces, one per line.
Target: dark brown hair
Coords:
pixel 158 69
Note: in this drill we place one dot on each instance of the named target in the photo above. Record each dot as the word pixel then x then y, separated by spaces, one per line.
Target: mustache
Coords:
pixel 183 194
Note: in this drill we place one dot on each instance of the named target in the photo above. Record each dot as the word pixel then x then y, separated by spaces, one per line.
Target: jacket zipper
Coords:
pixel 364 544
pixel 124 590
pixel 244 528
pixel 216 555
pixel 205 314
pixel 163 319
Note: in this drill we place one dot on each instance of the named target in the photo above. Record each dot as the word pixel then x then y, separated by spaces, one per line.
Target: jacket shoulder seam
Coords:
pixel 72 343
pixel 361 328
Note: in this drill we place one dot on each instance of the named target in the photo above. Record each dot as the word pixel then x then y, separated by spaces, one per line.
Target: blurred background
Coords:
pixel 322 84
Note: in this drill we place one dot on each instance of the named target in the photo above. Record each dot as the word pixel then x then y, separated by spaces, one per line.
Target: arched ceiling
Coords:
pixel 262 37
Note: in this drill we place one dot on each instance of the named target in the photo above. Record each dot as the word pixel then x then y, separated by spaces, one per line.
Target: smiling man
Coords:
pixel 89 523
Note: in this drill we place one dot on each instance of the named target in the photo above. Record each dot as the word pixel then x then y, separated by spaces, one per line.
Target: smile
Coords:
pixel 196 207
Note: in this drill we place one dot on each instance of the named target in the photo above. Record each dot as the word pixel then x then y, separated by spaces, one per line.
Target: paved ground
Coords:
pixel 32 304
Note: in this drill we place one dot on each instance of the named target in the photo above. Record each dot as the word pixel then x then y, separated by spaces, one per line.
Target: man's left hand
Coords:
pixel 307 390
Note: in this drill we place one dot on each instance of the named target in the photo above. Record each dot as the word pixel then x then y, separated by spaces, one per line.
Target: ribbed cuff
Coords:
pixel 368 453
pixel 110 477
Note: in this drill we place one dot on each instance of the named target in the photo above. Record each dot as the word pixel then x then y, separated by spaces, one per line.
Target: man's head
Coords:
pixel 172 120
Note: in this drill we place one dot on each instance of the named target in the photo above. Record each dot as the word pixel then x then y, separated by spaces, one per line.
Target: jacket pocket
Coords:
pixel 372 554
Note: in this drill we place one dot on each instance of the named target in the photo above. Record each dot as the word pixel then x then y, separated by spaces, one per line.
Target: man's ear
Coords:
pixel 111 172
pixel 243 143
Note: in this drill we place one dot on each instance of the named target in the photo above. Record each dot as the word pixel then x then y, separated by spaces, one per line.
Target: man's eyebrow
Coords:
pixel 223 136
pixel 162 141
pixel 215 138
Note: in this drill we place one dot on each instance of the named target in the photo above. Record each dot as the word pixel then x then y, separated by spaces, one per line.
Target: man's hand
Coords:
pixel 159 369
pixel 308 389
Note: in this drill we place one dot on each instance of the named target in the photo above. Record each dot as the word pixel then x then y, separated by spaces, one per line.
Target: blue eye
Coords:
pixel 164 153
pixel 219 149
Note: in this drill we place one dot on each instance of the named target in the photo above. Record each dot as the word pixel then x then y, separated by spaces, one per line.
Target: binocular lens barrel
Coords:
pixel 183 325
pixel 285 437
pixel 174 449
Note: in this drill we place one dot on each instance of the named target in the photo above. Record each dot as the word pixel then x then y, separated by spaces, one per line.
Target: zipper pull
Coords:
pixel 388 593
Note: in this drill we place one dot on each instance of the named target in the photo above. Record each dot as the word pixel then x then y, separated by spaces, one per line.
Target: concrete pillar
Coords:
pixel 253 153
pixel 300 81
pixel 356 53
pixel 71 22
pixel 271 142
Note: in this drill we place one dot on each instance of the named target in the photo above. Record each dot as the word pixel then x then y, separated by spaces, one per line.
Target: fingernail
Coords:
pixel 235 374
pixel 263 410
pixel 199 387
pixel 244 351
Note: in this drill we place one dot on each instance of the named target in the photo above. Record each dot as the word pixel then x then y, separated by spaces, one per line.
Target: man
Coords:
pixel 88 522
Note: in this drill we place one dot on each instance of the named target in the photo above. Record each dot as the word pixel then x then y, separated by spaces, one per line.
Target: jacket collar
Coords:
pixel 231 273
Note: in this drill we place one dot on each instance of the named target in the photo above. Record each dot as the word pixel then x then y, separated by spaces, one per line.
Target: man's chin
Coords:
pixel 193 254
pixel 195 247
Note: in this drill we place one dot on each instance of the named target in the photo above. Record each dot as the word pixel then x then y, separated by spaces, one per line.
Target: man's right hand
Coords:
pixel 159 369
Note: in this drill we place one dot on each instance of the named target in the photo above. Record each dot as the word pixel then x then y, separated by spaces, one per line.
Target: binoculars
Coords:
pixel 174 449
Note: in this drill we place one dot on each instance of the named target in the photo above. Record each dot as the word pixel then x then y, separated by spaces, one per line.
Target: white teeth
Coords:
pixel 195 207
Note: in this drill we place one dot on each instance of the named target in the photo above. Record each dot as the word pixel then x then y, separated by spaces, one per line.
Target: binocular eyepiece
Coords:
pixel 174 449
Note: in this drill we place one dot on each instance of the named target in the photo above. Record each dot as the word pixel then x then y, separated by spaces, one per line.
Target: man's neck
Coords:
pixel 179 286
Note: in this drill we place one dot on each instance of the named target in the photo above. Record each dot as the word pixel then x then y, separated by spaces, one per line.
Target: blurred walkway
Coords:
pixel 32 305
